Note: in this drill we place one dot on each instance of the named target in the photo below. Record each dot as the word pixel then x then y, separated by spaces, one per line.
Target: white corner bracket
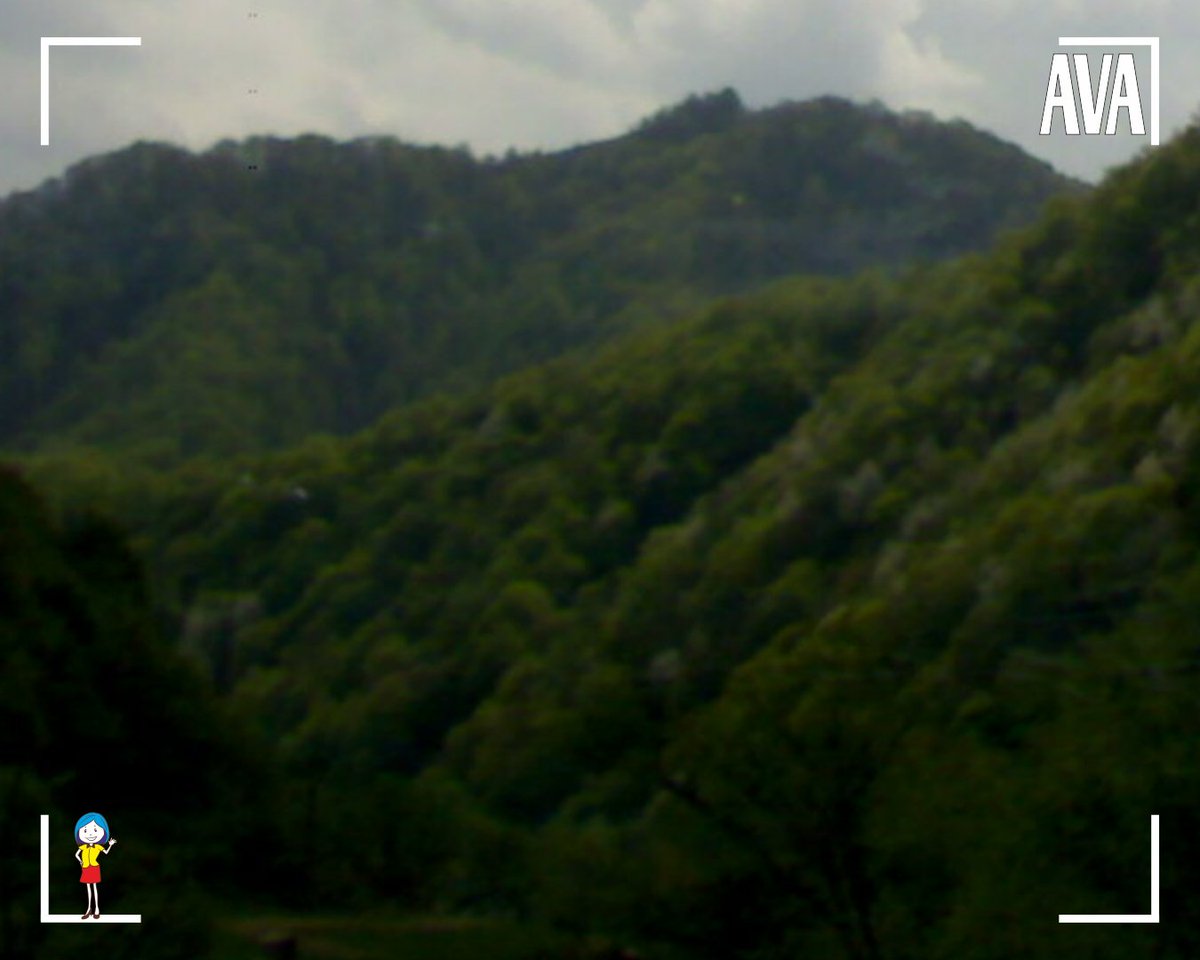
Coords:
pixel 1151 42
pixel 1151 917
pixel 48 42
pixel 47 916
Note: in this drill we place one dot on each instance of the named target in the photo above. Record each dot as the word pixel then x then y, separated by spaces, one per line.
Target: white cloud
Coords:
pixel 571 39
pixel 541 73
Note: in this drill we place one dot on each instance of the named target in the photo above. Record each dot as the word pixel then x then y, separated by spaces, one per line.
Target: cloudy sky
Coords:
pixel 528 74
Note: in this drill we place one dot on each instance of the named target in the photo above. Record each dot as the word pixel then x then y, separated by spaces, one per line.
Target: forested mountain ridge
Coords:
pixel 168 304
pixel 853 618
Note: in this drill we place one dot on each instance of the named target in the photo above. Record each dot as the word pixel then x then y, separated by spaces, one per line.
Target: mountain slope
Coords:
pixel 170 304
pixel 97 710
pixel 854 618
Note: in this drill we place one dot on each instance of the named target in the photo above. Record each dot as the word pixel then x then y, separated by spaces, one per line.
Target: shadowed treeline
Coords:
pixel 98 712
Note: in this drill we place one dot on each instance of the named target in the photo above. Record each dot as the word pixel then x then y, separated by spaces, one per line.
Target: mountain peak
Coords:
pixel 698 114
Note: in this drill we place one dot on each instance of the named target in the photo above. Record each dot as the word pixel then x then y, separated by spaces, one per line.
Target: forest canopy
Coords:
pixel 848 616
pixel 169 305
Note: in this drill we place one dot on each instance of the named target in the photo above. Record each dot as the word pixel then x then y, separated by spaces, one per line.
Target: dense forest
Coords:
pixel 98 706
pixel 169 305
pixel 845 617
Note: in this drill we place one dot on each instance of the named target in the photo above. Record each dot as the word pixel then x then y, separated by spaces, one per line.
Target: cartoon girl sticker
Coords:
pixel 91 831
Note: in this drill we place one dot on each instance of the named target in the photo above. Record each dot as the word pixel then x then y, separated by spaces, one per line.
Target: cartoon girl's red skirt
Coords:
pixel 90 875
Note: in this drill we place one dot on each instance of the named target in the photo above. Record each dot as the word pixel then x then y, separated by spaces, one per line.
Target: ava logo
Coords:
pixel 1116 90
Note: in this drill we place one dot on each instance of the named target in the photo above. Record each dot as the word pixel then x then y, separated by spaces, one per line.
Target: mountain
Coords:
pixel 168 305
pixel 850 618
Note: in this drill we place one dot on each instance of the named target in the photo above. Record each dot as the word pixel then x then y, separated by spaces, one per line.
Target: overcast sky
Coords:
pixel 528 74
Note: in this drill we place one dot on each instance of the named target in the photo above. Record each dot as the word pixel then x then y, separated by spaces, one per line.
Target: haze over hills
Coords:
pixel 850 618
pixel 171 305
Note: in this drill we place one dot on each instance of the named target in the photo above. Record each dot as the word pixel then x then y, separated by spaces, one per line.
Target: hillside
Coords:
pixel 99 710
pixel 852 618
pixel 167 305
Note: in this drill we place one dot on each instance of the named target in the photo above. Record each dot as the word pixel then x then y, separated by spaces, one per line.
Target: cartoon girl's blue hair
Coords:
pixel 88 818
